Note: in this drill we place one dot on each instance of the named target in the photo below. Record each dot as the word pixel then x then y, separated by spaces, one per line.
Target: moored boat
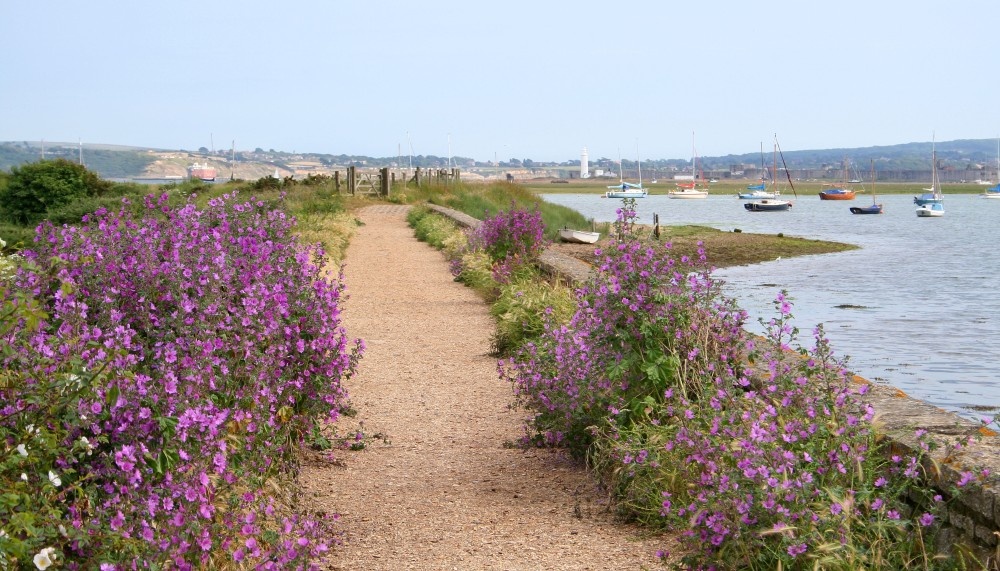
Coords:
pixel 684 191
pixel 773 204
pixel 202 172
pixel 994 191
pixel 839 191
pixel 755 191
pixel 578 236
pixel 931 203
pixel 874 208
pixel 767 205
pixel 626 190
pixel 695 188
pixel 931 209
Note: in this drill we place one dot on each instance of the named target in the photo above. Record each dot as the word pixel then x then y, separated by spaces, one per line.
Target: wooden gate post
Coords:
pixel 352 180
pixel 336 180
pixel 384 181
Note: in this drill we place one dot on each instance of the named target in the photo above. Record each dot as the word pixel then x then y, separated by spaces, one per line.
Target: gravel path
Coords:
pixel 438 489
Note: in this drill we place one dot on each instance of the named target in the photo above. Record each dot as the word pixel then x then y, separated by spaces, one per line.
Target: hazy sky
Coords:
pixel 513 79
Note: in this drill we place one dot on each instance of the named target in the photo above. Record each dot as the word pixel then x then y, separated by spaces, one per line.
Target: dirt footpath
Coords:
pixel 435 487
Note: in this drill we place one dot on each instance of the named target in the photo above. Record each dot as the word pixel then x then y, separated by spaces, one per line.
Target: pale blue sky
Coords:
pixel 517 79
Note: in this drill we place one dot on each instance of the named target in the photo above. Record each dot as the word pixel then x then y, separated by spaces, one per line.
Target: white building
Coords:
pixel 584 164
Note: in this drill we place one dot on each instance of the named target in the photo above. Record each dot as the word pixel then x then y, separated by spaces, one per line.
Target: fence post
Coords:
pixel 384 181
pixel 352 180
pixel 336 180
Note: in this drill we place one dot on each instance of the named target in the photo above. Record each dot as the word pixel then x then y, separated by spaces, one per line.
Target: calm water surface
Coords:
pixel 916 307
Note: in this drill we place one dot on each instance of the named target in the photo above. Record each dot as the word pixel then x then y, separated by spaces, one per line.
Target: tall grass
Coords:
pixel 482 201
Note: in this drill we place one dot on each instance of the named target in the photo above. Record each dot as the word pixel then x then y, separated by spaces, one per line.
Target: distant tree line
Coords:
pixel 966 154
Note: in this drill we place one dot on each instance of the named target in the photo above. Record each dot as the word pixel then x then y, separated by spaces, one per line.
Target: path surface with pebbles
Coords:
pixel 435 487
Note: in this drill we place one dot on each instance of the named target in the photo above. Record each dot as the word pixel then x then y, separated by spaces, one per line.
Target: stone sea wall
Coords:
pixel 974 515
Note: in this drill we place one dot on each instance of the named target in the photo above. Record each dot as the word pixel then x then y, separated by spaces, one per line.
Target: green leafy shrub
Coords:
pixel 36 188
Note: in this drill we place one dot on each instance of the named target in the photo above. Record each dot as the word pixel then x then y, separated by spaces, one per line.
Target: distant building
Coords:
pixel 584 164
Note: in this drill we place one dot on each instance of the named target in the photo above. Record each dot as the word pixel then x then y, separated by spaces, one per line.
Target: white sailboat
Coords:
pixel 994 191
pixel 627 189
pixel 931 203
pixel 759 190
pixel 690 189
pixel 932 194
pixel 773 204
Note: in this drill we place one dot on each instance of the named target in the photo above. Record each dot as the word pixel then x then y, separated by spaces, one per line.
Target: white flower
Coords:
pixel 31 429
pixel 54 479
pixel 3 533
pixel 86 444
pixel 22 449
pixel 24 476
pixel 44 558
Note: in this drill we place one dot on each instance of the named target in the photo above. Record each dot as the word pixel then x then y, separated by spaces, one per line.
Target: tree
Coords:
pixel 34 188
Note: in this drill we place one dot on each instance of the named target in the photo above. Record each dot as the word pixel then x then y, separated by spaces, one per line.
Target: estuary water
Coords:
pixel 917 306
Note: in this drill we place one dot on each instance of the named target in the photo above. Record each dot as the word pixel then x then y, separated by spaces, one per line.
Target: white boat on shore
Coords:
pixel 578 236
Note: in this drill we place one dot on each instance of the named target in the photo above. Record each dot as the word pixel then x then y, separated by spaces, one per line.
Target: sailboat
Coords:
pixel 875 208
pixel 690 189
pixel 758 190
pixel 773 204
pixel 838 191
pixel 627 189
pixel 931 203
pixel 994 191
pixel 933 194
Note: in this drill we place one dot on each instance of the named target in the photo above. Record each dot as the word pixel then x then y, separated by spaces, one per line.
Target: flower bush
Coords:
pixel 647 322
pixel 8 264
pixel 513 239
pixel 158 376
pixel 762 456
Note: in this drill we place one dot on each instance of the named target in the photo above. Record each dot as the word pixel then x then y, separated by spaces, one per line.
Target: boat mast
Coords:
pixel 873 181
pixel 788 174
pixel 762 169
pixel 934 175
pixel 638 161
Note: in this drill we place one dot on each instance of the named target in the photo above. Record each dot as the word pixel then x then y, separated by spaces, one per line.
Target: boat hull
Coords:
pixel 767 205
pixel 578 236
pixel 625 194
pixel 202 172
pixel 756 195
pixel 837 195
pixel 688 194
pixel 873 209
pixel 932 210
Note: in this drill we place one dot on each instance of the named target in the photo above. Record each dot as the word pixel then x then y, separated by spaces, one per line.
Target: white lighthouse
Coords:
pixel 584 165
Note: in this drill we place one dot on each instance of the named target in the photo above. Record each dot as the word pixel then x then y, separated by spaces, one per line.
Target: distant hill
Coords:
pixel 958 154
pixel 120 161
